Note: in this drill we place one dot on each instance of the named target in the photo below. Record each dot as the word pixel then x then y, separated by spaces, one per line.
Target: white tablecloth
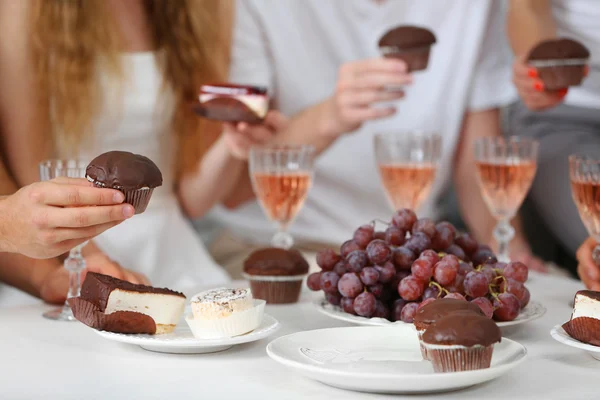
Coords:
pixel 56 360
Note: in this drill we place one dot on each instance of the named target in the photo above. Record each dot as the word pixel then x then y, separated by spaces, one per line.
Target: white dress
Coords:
pixel 159 243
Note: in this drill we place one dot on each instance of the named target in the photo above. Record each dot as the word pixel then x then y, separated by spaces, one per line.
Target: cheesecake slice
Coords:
pixel 585 319
pixel 587 304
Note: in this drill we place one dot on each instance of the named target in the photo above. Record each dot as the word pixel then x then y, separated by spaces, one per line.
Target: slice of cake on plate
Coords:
pixel 585 320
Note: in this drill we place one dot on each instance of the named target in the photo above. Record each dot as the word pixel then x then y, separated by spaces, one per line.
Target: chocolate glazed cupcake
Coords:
pixel 134 175
pixel 560 63
pixel 412 44
pixel 276 275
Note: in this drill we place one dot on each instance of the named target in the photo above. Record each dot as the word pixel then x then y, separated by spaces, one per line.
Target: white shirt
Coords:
pixel 296 48
pixel 580 20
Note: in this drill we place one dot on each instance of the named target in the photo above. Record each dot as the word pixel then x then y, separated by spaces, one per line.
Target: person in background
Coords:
pixel 565 121
pixel 321 64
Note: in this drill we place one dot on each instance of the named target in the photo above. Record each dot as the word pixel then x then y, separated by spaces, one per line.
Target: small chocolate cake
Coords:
pixel 412 44
pixel 585 319
pixel 232 103
pixel 134 175
pixel 276 275
pixel 560 62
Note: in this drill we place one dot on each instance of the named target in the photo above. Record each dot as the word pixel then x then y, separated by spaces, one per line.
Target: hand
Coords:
pixel 46 219
pixel 55 286
pixel 531 90
pixel 240 137
pixel 361 85
pixel 532 261
pixel 588 270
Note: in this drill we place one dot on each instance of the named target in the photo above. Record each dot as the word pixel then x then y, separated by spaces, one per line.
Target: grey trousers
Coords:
pixel 561 131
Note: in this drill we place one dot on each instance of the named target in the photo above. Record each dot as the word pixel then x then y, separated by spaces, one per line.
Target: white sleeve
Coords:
pixel 491 86
pixel 251 62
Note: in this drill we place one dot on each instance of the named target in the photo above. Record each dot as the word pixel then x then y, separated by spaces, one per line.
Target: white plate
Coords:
pixel 380 360
pixel 534 310
pixel 559 334
pixel 182 341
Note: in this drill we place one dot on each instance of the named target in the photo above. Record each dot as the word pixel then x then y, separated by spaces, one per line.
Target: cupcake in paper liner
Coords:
pixel 133 174
pixel 560 63
pixel 461 341
pixel 584 329
pixel 412 44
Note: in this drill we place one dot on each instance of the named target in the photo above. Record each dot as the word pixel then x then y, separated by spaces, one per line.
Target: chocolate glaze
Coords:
pixel 231 89
pixel 276 262
pixel 124 171
pixel 226 109
pixel 407 37
pixel 464 328
pixel 118 322
pixel 438 309
pixel 589 293
pixel 96 289
pixel 558 49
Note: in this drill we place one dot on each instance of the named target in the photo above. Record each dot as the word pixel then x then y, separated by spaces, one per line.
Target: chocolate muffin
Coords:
pixel 134 175
pixel 276 275
pixel 232 103
pixel 560 63
pixel 412 44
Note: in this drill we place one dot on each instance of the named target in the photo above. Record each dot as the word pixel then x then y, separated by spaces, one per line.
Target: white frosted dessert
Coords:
pixel 587 304
pixel 259 104
pixel 221 303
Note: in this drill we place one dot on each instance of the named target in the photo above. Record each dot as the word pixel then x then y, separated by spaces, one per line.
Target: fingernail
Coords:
pixel 128 211
pixel 118 197
pixel 532 72
pixel 539 86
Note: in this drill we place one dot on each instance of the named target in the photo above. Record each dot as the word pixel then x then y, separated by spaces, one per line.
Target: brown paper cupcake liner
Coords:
pixel 584 329
pixel 561 77
pixel 138 198
pixel 118 322
pixel 459 358
pixel 415 59
pixel 276 291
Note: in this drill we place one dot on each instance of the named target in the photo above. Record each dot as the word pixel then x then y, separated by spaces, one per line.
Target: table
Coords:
pixel 54 360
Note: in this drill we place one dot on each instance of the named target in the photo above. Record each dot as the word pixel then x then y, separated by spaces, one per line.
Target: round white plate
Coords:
pixel 181 341
pixel 380 360
pixel 534 310
pixel 559 334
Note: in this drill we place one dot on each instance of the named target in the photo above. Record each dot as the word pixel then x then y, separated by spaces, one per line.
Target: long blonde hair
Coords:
pixel 69 36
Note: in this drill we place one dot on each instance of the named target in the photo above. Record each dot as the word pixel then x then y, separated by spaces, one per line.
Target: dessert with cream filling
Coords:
pixel 585 320
pixel 411 44
pixel 560 63
pixel 233 103
pixel 221 303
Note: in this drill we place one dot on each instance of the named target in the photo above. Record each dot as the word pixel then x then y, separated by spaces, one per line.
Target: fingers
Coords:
pixel 531 89
pixel 586 260
pixel 276 120
pixel 63 180
pixel 376 81
pixel 80 217
pixel 368 97
pixel 75 195
pixel 367 114
pixel 389 65
pixel 63 234
pixel 256 133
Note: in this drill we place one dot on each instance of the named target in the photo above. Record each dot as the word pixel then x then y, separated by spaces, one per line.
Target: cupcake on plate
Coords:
pixel 412 44
pixel 461 341
pixel 560 63
pixel 276 275
pixel 134 175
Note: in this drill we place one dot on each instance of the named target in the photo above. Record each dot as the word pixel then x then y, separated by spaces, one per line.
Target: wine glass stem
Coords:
pixel 282 239
pixel 503 233
pixel 75 264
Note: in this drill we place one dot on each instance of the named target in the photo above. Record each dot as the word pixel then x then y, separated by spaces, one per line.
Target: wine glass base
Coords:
pixel 59 314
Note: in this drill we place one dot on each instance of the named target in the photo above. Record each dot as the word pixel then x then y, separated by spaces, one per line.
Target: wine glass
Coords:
pixel 281 177
pixel 407 164
pixel 505 170
pixel 585 187
pixel 74 263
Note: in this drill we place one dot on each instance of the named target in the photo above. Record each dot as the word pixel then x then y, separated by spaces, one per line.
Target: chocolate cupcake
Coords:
pixel 134 175
pixel 232 103
pixel 276 275
pixel 560 63
pixel 412 44
pixel 461 341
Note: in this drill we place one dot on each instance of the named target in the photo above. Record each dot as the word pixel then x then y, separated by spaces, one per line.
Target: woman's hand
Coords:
pixel 588 270
pixel 531 89
pixel 46 219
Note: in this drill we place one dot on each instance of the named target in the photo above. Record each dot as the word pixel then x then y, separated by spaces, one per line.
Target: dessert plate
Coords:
pixel 182 341
pixel 380 360
pixel 534 310
pixel 559 334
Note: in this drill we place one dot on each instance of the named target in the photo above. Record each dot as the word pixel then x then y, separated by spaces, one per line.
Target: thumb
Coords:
pixel 276 120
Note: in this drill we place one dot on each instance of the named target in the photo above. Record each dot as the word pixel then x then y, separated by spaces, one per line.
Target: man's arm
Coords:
pixel 529 22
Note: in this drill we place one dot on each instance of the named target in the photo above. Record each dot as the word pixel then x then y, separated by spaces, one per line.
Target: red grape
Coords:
pixel 476 284
pixel 506 307
pixel 356 261
pixel 348 247
pixel 410 288
pixel 418 243
pixel 445 270
pixel 525 300
pixel 350 285
pixel 347 304
pixel 483 255
pixel 422 269
pixel 369 276
pixel 398 277
pixel 431 292
pixel 467 243
pixel 397 309
pixel 378 251
pixel 408 312
pixel 447 225
pixel 404 219
pixel 424 225
pixel 515 287
pixel 329 282
pixel 430 255
pixel 377 290
pixel 456 296
pixel 489 272
pixel 386 272
pixel 340 268
pixel 516 270
pixel 326 259
pixel 333 298
pixel 395 236
pixel 457 285
pixel 314 281
pixel 379 235
pixel 425 302
pixel 403 258
pixel 457 251
pixel 485 305
pixel 364 304
pixel 442 239
pixel 464 268
pixel 363 235
pixel 381 310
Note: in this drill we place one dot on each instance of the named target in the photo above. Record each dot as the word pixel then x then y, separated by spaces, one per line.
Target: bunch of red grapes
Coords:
pixel 390 274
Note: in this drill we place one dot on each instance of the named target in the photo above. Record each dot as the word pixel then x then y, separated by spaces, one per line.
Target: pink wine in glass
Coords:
pixel 587 199
pixel 407 185
pixel 281 195
pixel 505 184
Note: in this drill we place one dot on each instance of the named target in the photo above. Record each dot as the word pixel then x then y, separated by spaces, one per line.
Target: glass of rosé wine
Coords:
pixel 407 164
pixel 281 177
pixel 585 187
pixel 505 170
